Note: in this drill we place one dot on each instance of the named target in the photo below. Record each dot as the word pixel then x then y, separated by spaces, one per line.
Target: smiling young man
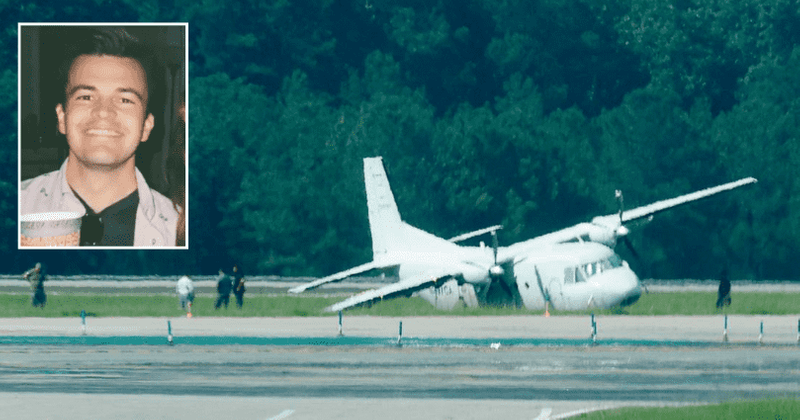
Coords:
pixel 105 116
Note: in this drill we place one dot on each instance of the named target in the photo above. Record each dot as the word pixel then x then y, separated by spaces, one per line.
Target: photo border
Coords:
pixel 185 26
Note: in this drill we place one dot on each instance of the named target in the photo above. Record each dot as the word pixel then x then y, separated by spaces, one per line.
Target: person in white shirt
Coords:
pixel 185 290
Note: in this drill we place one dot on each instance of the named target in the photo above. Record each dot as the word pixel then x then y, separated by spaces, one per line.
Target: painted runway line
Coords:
pixel 284 414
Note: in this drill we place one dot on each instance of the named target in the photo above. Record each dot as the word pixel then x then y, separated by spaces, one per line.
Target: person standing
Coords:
pixel 36 277
pixel 185 290
pixel 724 291
pixel 224 286
pixel 238 286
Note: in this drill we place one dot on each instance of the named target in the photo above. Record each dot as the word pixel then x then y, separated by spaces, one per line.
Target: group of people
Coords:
pixel 225 285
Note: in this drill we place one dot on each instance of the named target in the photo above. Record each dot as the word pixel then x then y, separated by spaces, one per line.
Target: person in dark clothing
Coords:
pixel 36 277
pixel 724 292
pixel 238 286
pixel 224 286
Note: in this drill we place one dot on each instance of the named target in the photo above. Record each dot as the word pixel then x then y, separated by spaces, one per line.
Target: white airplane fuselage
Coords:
pixel 570 285
pixel 557 272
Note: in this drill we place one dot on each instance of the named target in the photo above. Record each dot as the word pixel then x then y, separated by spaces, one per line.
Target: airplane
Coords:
pixel 571 269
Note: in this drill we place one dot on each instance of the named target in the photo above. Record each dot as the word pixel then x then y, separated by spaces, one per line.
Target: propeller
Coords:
pixel 495 270
pixel 497 273
pixel 621 230
pixel 632 249
pixel 610 228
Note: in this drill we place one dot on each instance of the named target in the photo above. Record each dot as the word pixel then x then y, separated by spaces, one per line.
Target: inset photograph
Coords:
pixel 103 135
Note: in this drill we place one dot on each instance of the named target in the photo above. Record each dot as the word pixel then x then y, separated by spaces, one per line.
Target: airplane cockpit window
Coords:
pixel 590 269
pixel 597 267
pixel 614 261
pixel 580 277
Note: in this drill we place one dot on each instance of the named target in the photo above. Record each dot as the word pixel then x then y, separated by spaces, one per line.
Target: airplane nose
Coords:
pixel 631 289
pixel 622 287
pixel 631 297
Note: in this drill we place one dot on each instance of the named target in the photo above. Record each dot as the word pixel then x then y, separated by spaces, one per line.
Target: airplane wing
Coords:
pixel 606 229
pixel 659 206
pixel 342 275
pixel 406 285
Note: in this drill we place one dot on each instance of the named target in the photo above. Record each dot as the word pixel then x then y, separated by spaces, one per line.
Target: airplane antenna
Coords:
pixel 618 196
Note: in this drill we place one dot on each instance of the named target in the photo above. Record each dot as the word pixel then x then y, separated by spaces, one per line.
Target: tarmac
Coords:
pixel 510 367
pixel 498 378
pixel 742 329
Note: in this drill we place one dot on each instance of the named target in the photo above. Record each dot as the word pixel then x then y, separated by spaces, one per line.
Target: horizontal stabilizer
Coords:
pixel 466 236
pixel 407 285
pixel 341 276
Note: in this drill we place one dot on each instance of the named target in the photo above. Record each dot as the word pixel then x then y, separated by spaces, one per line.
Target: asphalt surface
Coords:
pixel 357 383
pixel 650 361
pixel 498 380
pixel 710 329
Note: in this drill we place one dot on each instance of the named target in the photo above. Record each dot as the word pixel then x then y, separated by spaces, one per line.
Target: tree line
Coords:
pixel 528 114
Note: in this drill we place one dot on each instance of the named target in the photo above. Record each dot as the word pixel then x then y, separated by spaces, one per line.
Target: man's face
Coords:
pixel 103 116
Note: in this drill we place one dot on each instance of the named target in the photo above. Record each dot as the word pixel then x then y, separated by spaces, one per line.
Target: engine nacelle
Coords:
pixel 603 235
pixel 474 275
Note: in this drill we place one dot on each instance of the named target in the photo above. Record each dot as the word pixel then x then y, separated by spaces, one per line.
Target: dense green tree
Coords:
pixel 700 48
pixel 262 41
pixel 525 113
pixel 761 136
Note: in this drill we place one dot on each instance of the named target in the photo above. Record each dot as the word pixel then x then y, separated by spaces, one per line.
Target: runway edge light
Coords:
pixel 169 332
pixel 83 321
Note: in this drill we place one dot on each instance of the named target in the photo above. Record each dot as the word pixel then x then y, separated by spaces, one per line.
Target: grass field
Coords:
pixel 738 410
pixel 103 305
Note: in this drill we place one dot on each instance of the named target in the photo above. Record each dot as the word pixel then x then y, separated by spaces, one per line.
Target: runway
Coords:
pixel 514 367
pixel 506 380
pixel 705 329
pixel 364 383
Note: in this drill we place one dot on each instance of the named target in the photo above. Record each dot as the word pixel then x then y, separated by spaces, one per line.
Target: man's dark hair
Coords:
pixel 114 41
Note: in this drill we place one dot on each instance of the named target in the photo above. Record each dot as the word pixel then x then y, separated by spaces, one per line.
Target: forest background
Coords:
pixel 524 113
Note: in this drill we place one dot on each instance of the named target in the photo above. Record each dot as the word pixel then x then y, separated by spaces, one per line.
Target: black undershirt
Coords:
pixel 114 226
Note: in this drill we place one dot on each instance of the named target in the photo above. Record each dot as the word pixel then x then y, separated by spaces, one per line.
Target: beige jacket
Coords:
pixel 156 218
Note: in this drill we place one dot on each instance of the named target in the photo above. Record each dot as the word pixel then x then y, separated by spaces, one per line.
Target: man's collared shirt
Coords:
pixel 113 226
pixel 156 218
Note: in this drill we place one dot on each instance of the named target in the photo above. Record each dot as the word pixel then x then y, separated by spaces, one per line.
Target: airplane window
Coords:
pixel 615 260
pixel 586 271
pixel 580 277
pixel 569 275
pixel 589 269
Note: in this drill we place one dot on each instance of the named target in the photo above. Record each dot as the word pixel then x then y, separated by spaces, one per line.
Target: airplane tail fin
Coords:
pixel 389 233
pixel 384 218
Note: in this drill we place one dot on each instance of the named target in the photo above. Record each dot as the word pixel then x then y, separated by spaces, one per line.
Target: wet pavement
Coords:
pixel 516 367
pixel 491 377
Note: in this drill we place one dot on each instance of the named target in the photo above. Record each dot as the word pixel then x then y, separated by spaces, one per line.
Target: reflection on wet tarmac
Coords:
pixel 613 373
